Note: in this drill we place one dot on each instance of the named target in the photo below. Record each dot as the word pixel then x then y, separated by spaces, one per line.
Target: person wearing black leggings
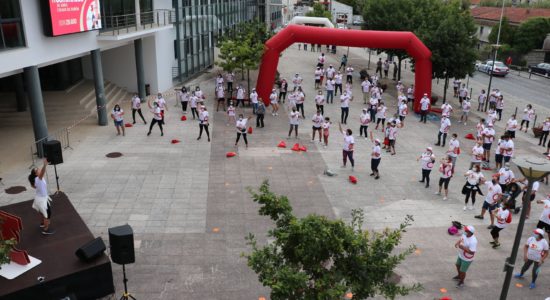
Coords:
pixel 428 159
pixel 203 123
pixel 534 252
pixel 157 117
pixel 545 131
pixel 347 151
pixel 473 179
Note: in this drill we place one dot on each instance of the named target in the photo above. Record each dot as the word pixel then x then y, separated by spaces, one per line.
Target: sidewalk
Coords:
pixel 190 210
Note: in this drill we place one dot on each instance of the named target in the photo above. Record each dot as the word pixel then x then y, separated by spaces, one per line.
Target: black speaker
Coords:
pixel 91 250
pixel 121 239
pixel 52 151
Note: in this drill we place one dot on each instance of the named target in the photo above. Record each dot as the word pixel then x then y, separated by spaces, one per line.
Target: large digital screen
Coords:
pixel 70 16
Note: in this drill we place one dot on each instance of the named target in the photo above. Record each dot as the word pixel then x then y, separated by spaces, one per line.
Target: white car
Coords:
pixel 500 69
pixel 341 26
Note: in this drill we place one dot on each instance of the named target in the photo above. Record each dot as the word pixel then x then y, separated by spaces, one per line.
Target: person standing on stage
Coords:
pixel 42 201
pixel 136 107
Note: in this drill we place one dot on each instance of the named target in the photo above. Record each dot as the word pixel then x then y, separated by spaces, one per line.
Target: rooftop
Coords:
pixel 516 15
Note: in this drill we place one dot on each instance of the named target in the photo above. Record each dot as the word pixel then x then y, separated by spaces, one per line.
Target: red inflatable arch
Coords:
pixel 352 38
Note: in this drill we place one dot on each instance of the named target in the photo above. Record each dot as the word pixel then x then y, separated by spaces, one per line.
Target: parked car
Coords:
pixel 500 69
pixel 341 26
pixel 541 68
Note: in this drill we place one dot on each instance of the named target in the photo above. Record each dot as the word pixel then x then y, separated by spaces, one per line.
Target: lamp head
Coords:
pixel 533 168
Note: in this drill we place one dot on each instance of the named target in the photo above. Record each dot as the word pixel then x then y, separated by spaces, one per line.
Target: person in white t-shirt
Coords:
pixel 403 111
pixel 467 247
pixel 348 148
pixel 326 131
pixel 446 170
pixel 503 217
pixel 446 109
pixel 345 99
pixel 297 81
pixel 428 160
pixel 220 95
pixel 240 125
pixel 204 122
pixel 376 157
pixel 535 253
pixel 534 190
pixel 443 130
pixel 410 93
pixel 481 100
pixel 477 154
pixel 136 107
pixel 466 106
pixel 507 148
pixel 157 117
pixel 42 200
pixel 365 88
pixel 381 114
pixel 274 100
pixel 528 115
pixel 494 194
pixel 162 105
pixel 254 100
pixel 373 108
pixel 349 74
pixel 317 74
pixel 294 121
pixel 320 102
pixel 317 120
pixel 462 94
pixel 329 87
pixel 183 96
pixel 454 149
pixel 337 83
pixel 231 114
pixel 474 177
pixel 505 176
pixel 116 115
pixel 240 95
pixel 488 136
pixel 424 108
pixel 364 120
pixel 511 127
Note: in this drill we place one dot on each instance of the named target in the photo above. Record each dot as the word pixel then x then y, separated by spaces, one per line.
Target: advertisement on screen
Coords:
pixel 71 16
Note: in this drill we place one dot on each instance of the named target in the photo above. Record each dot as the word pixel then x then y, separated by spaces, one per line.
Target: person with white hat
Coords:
pixel 428 159
pixel 467 247
pixel 424 108
pixel 534 253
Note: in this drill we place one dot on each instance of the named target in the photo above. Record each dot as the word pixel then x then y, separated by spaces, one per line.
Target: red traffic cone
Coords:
pixel 183 118
pixel 128 125
pixel 469 136
pixel 175 141
pixel 296 147
pixel 250 130
pixel 230 154
pixel 353 179
pixel 282 144
pixel 303 148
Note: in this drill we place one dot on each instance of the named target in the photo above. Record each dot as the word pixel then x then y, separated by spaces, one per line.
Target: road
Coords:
pixel 535 90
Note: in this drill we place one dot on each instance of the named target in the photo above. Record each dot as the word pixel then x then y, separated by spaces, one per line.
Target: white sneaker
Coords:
pixel 471 207
pixel 312 141
pixel 464 208
pixel 437 193
pixel 342 166
pixel 324 146
pixel 445 198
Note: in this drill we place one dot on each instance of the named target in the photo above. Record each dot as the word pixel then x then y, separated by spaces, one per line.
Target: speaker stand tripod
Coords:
pixel 126 295
pixel 56 178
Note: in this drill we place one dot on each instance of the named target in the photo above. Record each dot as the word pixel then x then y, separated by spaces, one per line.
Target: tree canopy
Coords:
pixel 319 11
pixel 317 258
pixel 531 34
pixel 507 33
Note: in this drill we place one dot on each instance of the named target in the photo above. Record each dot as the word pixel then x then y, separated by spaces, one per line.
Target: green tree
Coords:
pixel 531 34
pixel 452 42
pixel 319 11
pixel 242 49
pixel 507 33
pixel 318 258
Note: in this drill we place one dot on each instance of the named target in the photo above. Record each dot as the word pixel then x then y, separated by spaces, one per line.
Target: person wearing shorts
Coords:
pixel 502 214
pixel 494 193
pixel 467 247
pixel 117 114
pixel 42 201
pixel 446 170
pixel 511 127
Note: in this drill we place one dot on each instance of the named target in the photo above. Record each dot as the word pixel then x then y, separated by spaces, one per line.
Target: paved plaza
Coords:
pixel 190 210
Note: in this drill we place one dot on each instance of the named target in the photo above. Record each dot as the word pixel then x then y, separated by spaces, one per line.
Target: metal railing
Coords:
pixel 114 25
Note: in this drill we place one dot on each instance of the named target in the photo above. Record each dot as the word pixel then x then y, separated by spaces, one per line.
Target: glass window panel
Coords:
pixel 9 9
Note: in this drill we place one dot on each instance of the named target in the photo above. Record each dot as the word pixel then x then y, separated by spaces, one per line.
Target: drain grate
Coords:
pixel 114 155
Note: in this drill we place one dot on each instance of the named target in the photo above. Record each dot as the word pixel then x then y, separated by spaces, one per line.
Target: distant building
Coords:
pixel 341 13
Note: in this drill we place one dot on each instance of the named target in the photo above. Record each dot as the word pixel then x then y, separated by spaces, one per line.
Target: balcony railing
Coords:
pixel 115 25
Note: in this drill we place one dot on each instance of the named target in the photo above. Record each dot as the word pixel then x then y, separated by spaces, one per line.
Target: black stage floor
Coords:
pixel 64 273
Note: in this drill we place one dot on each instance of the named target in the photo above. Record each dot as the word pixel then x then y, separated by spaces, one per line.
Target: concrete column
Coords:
pixel 20 92
pixel 138 48
pixel 99 89
pixel 138 13
pixel 38 115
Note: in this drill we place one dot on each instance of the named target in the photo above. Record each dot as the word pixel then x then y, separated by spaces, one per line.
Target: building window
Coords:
pixel 11 25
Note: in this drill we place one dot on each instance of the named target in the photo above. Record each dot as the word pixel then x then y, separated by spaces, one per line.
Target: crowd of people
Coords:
pixel 502 189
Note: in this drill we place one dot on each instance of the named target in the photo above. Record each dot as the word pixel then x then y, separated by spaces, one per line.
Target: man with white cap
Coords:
pixel 467 247
pixel 424 108
pixel 534 252
pixel 428 159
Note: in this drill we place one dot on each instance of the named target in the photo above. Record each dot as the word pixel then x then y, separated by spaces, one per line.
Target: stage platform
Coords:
pixel 64 274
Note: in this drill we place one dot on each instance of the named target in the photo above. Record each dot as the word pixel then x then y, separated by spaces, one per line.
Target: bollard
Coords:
pixel 535 121
pixel 516 112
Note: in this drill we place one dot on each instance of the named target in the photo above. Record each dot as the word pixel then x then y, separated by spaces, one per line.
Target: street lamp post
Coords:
pixel 496 46
pixel 533 169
